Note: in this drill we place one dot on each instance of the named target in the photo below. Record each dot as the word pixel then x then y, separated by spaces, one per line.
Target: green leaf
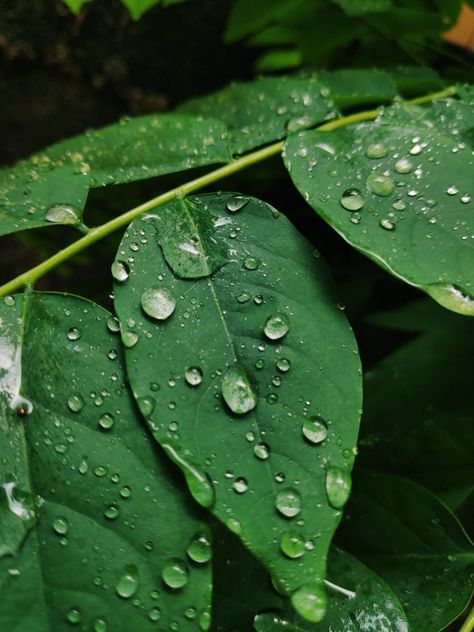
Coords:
pixel 399 192
pixel 356 8
pixel 138 7
pixel 54 184
pixel 419 315
pixel 76 5
pixel 264 110
pixel 279 59
pixel 247 17
pixel 414 80
pixel 242 363
pixel 353 87
pixel 406 535
pixel 91 516
pixel 417 418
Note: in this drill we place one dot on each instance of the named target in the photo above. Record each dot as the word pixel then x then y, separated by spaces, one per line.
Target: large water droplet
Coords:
pixel 129 339
pixel 106 421
pixel 74 616
pixel 251 263
pixel 199 484
pixel 387 224
pixel 60 526
pixel 292 544
pixel 310 602
pixel 380 184
pixel 74 333
pixel 236 203
pixel 193 376
pixel 288 502
pixel 199 549
pixel 376 150
pixel 352 200
pixel 62 214
pixel 404 165
pixel 76 403
pixel 175 573
pixel 338 486
pixel 262 451
pixel 315 429
pixel 240 485
pixel 276 326
pixel 237 391
pixel 159 303
pixel 120 271
pixel 283 365
pixel 128 584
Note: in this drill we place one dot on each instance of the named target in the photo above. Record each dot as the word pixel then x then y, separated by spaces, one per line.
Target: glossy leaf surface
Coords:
pixel 350 88
pixel 96 524
pixel 399 191
pixel 245 369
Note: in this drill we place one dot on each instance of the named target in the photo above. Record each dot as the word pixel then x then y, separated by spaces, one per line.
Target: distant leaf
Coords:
pixel 52 186
pixel 279 59
pixel 419 315
pixel 361 7
pixel 351 87
pixel 76 5
pixel 399 192
pixel 417 418
pixel 412 81
pixel 242 363
pixel 264 110
pixel 248 17
pixel 98 515
pixel 408 537
pixel 138 7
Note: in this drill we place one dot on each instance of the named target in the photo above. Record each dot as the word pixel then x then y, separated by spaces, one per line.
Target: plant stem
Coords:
pixel 96 234
pixel 468 625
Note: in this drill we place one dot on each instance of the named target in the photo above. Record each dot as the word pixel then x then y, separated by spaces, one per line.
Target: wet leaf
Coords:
pixel 353 87
pixel 107 516
pixel 400 193
pixel 52 187
pixel 238 433
pixel 265 110
pixel 407 536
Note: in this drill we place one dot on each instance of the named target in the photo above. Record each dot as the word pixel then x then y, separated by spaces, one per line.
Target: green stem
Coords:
pixel 98 233
pixel 468 625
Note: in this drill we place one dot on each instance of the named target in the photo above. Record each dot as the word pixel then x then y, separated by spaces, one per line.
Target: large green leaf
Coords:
pixel 52 187
pixel 354 87
pixel 357 598
pixel 242 363
pixel 417 418
pixel 264 110
pixel 401 193
pixel 414 543
pixel 92 517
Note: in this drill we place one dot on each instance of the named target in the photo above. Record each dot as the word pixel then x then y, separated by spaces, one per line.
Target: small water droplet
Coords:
pixel 100 625
pixel 315 429
pixel 376 150
pixel 310 602
pixel 146 405
pixel 380 184
pixel 240 485
pixel 298 123
pixel 465 199
pixel 292 544
pixel 74 333
pixel 399 205
pixel 352 200
pixel 251 263
pixel 199 549
pixel 128 584
pixel 129 339
pixel 120 271
pixel 404 165
pixel 193 376
pixel 387 224
pixel 175 573
pixel 416 149
pixel 60 526
pixel 276 326
pixel 338 486
pixel 262 451
pixel 236 203
pixel 237 391
pixel 283 365
pixel 106 421
pixel 288 502
pixel 75 403
pixel 74 616
pixel 62 214
pixel 452 190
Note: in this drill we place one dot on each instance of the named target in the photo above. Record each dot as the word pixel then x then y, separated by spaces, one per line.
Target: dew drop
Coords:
pixel 315 430
pixel 158 303
pixel 100 625
pixel 146 405
pixel 399 205
pixel 452 190
pixel 338 486
pixel 106 421
pixel 403 165
pixel 376 150
pixel 262 451
pixel 283 365
pixel 352 200
pixel 74 616
pixel 380 184
pixel 120 271
pixel 199 549
pixel 193 376
pixel 276 326
pixel 236 203
pixel 288 502
pixel 240 485
pixel 113 324
pixel 292 544
pixel 465 199
pixel 299 123
pixel 234 525
pixel 62 214
pixel 251 263
pixel 175 573
pixel 74 333
pixel 237 391
pixel 310 602
pixel 61 526
pixel 387 224
pixel 128 584
pixel 129 339
pixel 75 403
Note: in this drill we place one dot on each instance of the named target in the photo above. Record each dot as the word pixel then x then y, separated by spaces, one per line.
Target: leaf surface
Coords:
pixel 92 517
pixel 400 192
pixel 228 401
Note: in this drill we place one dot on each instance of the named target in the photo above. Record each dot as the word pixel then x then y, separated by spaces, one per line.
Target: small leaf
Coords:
pixel 34 191
pixel 407 536
pixel 240 427
pixel 102 523
pixel 264 110
pixel 76 5
pixel 138 7
pixel 400 193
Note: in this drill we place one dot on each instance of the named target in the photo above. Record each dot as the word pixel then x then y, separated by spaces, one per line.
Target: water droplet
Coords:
pixel 175 573
pixel 120 271
pixel 100 625
pixel 352 200
pixel 310 602
pixel 193 376
pixel 146 405
pixel 205 620
pixel 154 614
pixel 158 303
pixel 199 549
pixel 452 190
pixel 276 326
pixel 111 512
pixel 283 365
pixel 416 149
pixel 237 391
pixel 262 451
pixel 75 403
pixel 251 263
pixel 106 421
pixel 74 616
pixel 199 483
pixel 315 429
pixel 338 486
pixel 236 203
pixel 465 199
pixel 376 150
pixel 292 544
pixel 399 205
pixel 298 123
pixel 288 502
pixel 240 485
pixel 113 324
pixel 128 584
pixel 234 525
pixel 9 301
pixel 403 165
pixel 387 224
pixel 244 297
pixel 62 214
pixel 60 526
pixel 74 333
pixel 125 491
pixel 129 339
pixel 380 184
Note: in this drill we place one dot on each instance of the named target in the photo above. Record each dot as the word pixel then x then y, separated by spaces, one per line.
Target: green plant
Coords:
pixel 217 414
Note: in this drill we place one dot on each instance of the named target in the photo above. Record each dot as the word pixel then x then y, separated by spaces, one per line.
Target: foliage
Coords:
pixel 217 413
